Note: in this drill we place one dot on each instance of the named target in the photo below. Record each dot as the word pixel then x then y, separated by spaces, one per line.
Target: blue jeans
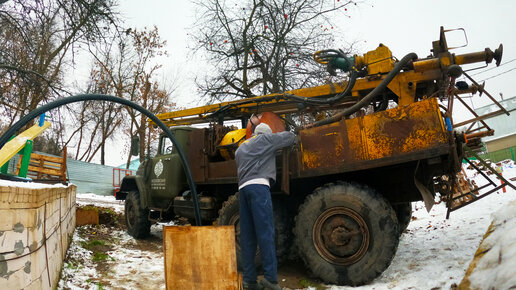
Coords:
pixel 257 228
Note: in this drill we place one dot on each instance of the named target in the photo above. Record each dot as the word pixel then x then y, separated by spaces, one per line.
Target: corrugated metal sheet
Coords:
pixel 89 177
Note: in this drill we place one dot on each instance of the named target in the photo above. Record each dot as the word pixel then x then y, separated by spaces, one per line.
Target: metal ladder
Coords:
pixel 457 201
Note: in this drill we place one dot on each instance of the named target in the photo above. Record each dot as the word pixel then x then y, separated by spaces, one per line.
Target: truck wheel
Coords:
pixel 347 234
pixel 229 215
pixel 136 218
pixel 404 215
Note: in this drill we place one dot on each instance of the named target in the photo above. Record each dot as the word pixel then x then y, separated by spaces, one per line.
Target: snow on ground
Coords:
pixel 433 252
pixel 497 268
pixel 100 200
pixel 124 267
pixel 77 273
pixel 33 185
pixel 134 265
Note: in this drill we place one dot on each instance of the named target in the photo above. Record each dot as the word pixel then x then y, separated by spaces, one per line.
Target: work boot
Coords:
pixel 252 286
pixel 269 285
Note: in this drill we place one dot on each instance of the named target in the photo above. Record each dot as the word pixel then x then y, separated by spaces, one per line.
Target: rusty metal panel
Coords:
pixel 391 133
pixel 222 170
pixel 195 155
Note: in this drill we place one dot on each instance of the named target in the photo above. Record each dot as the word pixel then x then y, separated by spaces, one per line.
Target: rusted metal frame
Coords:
pixel 482 187
pixel 498 175
pixel 481 88
pixel 472 193
pixel 474 130
pixel 472 112
pixel 481 134
pixel 476 198
pixel 483 117
pixel 453 175
pixel 480 171
pixel 449 202
pixel 471 126
pixel 347 166
pixel 449 113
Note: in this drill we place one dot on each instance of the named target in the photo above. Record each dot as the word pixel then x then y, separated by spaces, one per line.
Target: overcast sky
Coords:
pixel 403 25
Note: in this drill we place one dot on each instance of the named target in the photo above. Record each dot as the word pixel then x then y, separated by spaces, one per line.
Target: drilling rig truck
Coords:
pixel 344 190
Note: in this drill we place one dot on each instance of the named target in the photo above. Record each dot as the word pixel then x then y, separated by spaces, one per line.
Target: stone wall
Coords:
pixel 36 227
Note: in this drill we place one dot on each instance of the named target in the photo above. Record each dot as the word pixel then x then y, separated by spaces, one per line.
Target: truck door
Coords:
pixel 167 176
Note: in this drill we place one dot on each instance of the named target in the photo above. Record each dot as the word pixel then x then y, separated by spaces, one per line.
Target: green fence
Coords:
pixel 495 156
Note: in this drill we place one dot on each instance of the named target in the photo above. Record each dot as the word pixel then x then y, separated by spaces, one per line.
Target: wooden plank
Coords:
pixel 15 145
pixel 46 158
pixel 45 163
pixel 45 170
pixel 200 257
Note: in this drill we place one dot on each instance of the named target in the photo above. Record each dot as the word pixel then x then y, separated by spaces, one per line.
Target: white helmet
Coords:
pixel 262 128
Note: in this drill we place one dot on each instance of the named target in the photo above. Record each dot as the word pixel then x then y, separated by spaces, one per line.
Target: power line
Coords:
pixel 493 67
pixel 499 74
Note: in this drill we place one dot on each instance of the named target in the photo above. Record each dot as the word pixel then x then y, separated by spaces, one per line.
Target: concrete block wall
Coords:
pixel 36 227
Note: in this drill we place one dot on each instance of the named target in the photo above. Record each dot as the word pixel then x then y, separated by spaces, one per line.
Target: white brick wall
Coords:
pixel 36 227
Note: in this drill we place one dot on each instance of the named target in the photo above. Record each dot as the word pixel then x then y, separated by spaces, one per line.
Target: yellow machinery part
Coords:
pixel 12 147
pixel 230 143
pixel 378 61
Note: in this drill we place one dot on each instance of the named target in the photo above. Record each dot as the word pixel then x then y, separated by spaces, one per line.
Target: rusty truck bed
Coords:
pixel 403 134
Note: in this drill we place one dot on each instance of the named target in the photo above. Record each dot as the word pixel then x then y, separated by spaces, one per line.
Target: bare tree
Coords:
pixel 129 68
pixel 263 46
pixel 38 40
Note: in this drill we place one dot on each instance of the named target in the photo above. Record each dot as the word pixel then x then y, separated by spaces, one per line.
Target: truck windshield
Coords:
pixel 166 146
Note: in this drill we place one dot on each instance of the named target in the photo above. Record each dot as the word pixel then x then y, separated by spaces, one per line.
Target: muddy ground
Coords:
pixel 109 246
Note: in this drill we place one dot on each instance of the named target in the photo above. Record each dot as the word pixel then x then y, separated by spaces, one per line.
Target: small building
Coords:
pixel 502 145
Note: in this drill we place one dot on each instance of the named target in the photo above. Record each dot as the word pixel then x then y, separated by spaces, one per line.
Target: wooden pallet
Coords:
pixel 45 168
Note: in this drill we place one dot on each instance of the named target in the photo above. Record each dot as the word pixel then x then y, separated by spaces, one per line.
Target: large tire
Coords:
pixel 346 234
pixel 404 215
pixel 229 215
pixel 136 218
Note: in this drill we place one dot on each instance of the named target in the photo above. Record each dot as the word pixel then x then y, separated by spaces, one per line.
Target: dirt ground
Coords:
pixel 101 241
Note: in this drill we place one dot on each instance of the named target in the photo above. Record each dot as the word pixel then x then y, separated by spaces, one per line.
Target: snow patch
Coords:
pixel 33 185
pixel 496 269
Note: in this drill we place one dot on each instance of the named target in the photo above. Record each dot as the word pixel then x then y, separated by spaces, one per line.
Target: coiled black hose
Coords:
pixel 98 97
pixel 331 100
pixel 369 97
